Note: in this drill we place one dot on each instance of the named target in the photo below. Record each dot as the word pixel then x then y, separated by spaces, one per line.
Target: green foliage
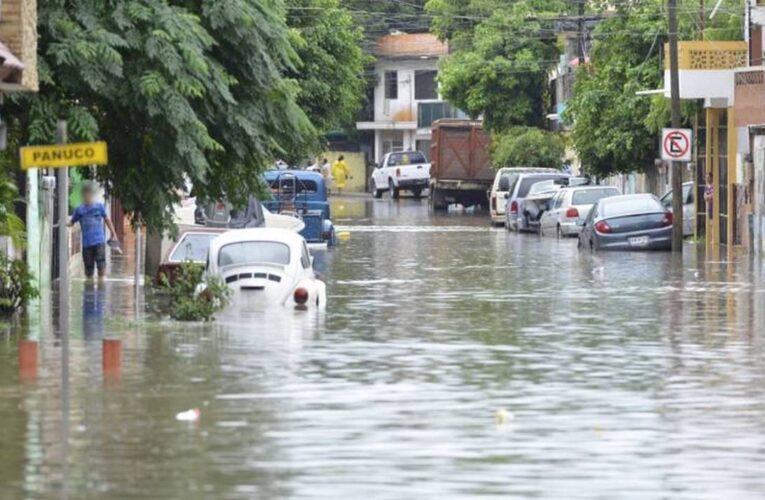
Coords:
pixel 11 224
pixel 502 51
pixel 612 128
pixel 189 304
pixel 330 72
pixel 191 89
pixel 380 17
pixel 528 147
pixel 16 288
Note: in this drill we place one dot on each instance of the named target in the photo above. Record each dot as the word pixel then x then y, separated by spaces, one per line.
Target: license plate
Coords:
pixel 639 241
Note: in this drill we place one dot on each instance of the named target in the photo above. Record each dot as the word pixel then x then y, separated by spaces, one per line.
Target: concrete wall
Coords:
pixel 357 164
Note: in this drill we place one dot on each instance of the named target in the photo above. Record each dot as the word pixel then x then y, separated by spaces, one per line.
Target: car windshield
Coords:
pixel 291 184
pixel 630 205
pixel 592 196
pixel 528 182
pixel 410 158
pixel 254 252
pixel 193 247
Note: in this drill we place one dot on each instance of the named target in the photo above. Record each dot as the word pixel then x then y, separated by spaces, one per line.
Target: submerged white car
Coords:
pixel 266 268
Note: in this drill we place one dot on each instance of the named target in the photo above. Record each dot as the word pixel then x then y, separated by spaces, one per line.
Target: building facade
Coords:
pixel 18 45
pixel 406 97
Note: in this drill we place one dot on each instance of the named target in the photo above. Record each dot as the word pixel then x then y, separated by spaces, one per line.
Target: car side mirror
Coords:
pixel 377 165
pixel 507 196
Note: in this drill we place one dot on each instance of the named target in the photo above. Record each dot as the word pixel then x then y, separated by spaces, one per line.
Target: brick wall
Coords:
pixel 18 31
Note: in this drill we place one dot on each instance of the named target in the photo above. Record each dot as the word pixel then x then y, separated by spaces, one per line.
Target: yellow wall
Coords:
pixel 713 161
pixel 357 179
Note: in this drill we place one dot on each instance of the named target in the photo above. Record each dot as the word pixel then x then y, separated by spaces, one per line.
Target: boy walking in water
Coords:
pixel 92 216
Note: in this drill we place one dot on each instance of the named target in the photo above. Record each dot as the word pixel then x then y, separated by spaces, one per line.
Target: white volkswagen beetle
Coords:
pixel 266 267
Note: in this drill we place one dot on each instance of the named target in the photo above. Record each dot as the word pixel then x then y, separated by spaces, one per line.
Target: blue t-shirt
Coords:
pixel 91 219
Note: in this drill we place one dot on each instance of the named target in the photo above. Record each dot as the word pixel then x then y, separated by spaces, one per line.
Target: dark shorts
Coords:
pixel 93 257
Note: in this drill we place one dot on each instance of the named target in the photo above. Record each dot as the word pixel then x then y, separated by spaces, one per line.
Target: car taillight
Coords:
pixel 667 219
pixel 301 296
pixel 398 172
pixel 602 227
pixel 514 207
pixel 494 203
pixel 572 213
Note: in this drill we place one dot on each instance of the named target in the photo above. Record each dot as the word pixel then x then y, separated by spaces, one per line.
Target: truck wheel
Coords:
pixel 436 200
pixel 392 190
pixel 377 193
pixel 417 193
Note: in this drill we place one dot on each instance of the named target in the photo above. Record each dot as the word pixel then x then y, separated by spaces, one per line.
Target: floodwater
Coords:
pixel 613 376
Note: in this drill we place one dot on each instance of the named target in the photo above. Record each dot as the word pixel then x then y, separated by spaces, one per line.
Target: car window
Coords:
pixel 558 201
pixel 688 194
pixel 623 206
pixel 527 182
pixel 506 181
pixel 590 196
pixel 289 184
pixel 254 252
pixel 192 246
pixel 305 259
pixel 409 158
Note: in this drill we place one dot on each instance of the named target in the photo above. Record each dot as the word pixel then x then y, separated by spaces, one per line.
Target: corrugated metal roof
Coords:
pixel 402 45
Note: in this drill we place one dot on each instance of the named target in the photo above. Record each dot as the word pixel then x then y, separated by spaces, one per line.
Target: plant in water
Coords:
pixel 191 304
pixel 16 287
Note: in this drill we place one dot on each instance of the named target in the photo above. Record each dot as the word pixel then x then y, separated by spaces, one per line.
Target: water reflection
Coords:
pixel 639 373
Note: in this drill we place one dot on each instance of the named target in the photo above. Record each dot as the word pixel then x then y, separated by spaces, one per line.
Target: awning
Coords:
pixel 11 68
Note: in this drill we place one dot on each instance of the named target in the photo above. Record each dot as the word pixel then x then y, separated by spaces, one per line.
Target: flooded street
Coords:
pixel 620 375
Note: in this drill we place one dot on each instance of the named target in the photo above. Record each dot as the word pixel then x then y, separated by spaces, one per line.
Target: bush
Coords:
pixel 16 288
pixel 190 304
pixel 528 147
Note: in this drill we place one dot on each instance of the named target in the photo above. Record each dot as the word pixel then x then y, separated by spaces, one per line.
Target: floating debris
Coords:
pixel 191 415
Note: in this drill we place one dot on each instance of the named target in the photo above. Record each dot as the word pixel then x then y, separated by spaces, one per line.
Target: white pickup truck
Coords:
pixel 408 171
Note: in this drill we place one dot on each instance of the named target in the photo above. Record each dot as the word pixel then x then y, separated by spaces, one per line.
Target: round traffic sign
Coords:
pixel 676 144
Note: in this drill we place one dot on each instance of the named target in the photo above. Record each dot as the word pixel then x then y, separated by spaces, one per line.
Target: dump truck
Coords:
pixel 461 171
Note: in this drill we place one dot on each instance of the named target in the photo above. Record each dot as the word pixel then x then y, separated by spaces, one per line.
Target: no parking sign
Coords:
pixel 676 144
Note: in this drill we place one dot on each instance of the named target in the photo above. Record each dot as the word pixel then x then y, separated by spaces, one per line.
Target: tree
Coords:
pixel 613 129
pixel 180 90
pixel 528 147
pixel 502 51
pixel 330 72
pixel 380 17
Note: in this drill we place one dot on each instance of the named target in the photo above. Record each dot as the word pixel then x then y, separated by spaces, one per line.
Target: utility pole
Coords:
pixel 677 167
pixel 581 34
pixel 62 184
pixel 701 20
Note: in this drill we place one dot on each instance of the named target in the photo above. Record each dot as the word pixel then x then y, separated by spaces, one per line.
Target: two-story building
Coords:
pixel 406 98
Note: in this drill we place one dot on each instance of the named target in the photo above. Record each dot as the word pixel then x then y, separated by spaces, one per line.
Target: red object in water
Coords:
pixel 111 356
pixel 28 360
pixel 602 227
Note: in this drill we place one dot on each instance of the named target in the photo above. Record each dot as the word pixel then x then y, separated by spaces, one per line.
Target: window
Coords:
pixel 412 158
pixel 192 246
pixel 305 259
pixel 527 182
pixel 633 205
pixel 425 86
pixel 392 146
pixel 391 84
pixel 254 252
pixel 591 196
pixel 558 201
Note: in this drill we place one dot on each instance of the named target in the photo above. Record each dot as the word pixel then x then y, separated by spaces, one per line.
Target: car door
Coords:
pixel 377 174
pixel 550 217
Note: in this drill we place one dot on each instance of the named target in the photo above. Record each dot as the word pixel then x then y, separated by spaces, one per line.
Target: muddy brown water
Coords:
pixel 620 376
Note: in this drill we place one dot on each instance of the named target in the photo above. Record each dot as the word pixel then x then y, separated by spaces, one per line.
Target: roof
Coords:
pixel 286 236
pixel 410 45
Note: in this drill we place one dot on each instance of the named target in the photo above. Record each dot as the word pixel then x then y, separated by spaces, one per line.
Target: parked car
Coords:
pixel 627 222
pixel 569 208
pixel 406 171
pixel 503 181
pixel 266 268
pixel 302 194
pixel 192 246
pixel 515 220
pixel 689 207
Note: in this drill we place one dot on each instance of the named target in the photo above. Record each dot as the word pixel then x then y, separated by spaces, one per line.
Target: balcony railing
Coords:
pixel 428 112
pixel 703 55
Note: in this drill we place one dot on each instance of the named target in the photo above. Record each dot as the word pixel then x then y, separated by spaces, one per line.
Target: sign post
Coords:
pixel 676 149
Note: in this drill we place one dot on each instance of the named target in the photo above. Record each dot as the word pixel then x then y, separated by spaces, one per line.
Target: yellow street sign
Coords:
pixel 64 155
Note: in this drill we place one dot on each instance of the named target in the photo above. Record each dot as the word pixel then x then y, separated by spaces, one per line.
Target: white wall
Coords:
pixel 405 107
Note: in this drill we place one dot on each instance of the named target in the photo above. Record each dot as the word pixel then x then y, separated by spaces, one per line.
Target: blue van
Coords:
pixel 304 194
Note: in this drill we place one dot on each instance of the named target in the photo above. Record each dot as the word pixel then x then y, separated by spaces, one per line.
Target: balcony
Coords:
pixel 706 70
pixel 428 112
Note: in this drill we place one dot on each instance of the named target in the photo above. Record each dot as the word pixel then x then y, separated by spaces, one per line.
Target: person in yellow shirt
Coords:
pixel 340 173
